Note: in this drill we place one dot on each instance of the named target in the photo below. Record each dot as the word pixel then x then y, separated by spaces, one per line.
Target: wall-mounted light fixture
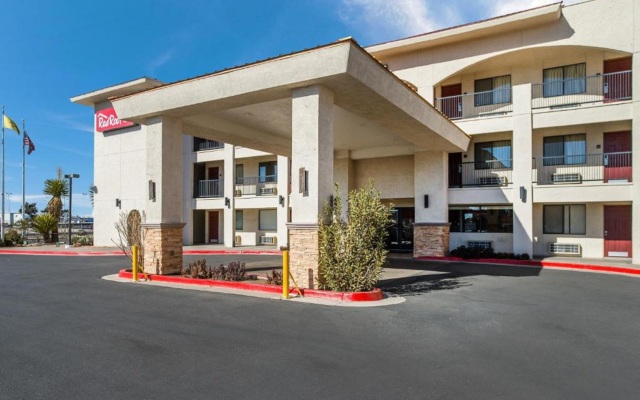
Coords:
pixel 426 201
pixel 281 200
pixel 227 202
pixel 118 203
pixel 523 194
pixel 152 190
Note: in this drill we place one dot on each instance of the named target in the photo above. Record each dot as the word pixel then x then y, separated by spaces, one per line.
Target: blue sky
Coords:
pixel 56 50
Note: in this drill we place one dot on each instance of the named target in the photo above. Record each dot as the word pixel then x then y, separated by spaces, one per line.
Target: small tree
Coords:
pixel 129 228
pixel 353 252
pixel 31 210
pixel 44 224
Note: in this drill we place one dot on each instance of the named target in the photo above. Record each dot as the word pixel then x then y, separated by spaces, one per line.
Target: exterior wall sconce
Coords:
pixel 152 190
pixel 119 203
pixel 523 194
pixel 227 202
pixel 281 200
pixel 426 201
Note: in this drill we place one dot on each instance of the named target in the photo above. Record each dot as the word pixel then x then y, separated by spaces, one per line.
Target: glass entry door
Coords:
pixel 401 229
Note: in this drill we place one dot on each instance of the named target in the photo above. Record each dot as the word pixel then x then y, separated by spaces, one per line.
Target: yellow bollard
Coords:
pixel 134 263
pixel 285 274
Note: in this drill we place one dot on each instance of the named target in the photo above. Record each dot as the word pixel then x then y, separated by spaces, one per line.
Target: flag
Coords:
pixel 9 124
pixel 28 142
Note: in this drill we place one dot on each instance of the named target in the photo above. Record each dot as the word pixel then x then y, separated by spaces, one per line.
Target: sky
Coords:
pixel 54 50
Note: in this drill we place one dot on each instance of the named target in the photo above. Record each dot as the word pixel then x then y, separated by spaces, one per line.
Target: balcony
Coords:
pixel 210 188
pixel 479 104
pixel 605 167
pixel 603 88
pixel 202 144
pixel 491 173
pixel 265 185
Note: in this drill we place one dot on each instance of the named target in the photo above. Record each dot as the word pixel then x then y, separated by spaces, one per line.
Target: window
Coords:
pixel 497 219
pixel 239 220
pixel 565 150
pixel 200 144
pixel 565 219
pixel 492 91
pixel 268 220
pixel 569 79
pixel 493 155
pixel 239 174
pixel 268 171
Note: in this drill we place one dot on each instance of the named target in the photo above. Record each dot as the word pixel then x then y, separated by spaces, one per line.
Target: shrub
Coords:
pixel 479 252
pixel 353 252
pixel 235 271
pixel 85 240
pixel 44 224
pixel 274 277
pixel 12 237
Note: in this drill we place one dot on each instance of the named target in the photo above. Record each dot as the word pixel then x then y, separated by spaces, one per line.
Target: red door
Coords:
pixel 455 169
pixel 617 156
pixel 617 86
pixel 451 101
pixel 213 227
pixel 214 173
pixel 617 231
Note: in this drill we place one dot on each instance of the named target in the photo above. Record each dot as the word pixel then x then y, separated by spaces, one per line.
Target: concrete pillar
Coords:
pixel 187 189
pixel 229 211
pixel 635 132
pixel 163 227
pixel 522 150
pixel 431 227
pixel 343 174
pixel 312 177
pixel 283 201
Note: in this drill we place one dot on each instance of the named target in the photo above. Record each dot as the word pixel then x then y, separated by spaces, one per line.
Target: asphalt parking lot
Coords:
pixel 464 332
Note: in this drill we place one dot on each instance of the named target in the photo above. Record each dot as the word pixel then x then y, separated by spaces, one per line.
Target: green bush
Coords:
pixel 44 224
pixel 12 237
pixel 353 252
pixel 479 252
pixel 85 240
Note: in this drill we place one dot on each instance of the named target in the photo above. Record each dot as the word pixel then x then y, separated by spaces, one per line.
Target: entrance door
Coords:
pixel 452 106
pixel 213 227
pixel 401 231
pixel 617 156
pixel 617 231
pixel 455 169
pixel 617 86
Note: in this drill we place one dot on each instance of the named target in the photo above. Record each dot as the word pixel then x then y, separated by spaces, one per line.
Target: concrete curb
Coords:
pixel 541 264
pixel 374 295
pixel 119 253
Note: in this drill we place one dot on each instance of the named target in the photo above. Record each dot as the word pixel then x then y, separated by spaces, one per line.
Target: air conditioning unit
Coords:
pixel 268 240
pixel 492 180
pixel 566 178
pixel 565 248
pixel 270 190
pixel 482 244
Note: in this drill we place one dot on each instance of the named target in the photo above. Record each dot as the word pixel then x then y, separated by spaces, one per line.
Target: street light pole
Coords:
pixel 9 194
pixel 70 177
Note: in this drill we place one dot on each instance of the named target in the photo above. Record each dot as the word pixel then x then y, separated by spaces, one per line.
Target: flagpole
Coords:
pixel 2 227
pixel 24 163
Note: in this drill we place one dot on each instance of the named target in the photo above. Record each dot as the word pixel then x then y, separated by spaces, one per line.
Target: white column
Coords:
pixel 343 171
pixel 312 150
pixel 635 131
pixel 229 214
pixel 283 201
pixel 522 149
pixel 431 179
pixel 187 188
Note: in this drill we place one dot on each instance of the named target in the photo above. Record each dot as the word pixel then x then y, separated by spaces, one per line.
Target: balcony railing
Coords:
pixel 606 167
pixel 591 89
pixel 481 174
pixel 257 185
pixel 208 145
pixel 480 104
pixel 210 188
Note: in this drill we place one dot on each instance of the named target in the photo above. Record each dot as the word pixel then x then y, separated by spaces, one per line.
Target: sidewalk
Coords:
pixel 62 250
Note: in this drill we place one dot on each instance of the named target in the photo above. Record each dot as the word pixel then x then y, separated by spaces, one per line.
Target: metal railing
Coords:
pixel 603 167
pixel 591 89
pixel 210 188
pixel 209 145
pixel 479 104
pixel 482 174
pixel 265 185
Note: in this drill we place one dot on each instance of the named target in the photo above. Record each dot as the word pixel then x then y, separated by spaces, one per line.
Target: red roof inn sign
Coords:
pixel 107 120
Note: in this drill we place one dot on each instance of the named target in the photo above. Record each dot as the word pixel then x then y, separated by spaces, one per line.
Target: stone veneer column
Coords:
pixel 431 227
pixel 430 239
pixel 163 226
pixel 162 248
pixel 312 152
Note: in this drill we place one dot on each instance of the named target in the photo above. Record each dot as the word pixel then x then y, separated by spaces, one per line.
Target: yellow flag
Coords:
pixel 9 124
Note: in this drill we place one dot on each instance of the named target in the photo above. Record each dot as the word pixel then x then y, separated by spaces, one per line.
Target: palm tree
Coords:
pixel 56 188
pixel 43 224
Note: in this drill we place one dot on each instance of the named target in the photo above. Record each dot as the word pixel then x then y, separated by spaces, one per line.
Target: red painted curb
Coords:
pixel 539 264
pixel 373 295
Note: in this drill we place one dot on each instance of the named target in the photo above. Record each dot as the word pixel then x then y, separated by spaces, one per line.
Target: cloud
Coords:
pixel 160 60
pixel 383 17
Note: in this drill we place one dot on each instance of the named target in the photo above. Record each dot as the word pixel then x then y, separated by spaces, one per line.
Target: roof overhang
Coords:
pixel 251 105
pixel 494 26
pixel 97 96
